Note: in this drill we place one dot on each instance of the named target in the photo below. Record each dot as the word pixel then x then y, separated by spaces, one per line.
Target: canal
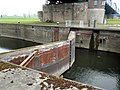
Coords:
pixel 101 69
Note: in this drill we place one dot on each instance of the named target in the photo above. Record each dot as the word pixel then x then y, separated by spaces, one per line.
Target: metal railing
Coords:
pixel 74 23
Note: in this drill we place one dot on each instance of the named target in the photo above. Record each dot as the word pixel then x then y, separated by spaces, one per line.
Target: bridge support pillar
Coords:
pixel 96 14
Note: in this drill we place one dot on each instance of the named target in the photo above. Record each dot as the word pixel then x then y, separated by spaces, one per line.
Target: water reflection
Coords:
pixel 8 44
pixel 101 69
pixel 2 50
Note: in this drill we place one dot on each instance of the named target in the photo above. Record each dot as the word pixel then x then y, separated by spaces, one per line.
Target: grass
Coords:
pixel 23 21
pixel 113 21
pixel 110 22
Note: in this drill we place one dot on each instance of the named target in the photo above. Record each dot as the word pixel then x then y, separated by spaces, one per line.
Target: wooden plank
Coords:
pixel 28 58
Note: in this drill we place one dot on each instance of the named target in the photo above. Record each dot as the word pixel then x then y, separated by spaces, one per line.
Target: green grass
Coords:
pixel 23 21
pixel 110 22
pixel 113 21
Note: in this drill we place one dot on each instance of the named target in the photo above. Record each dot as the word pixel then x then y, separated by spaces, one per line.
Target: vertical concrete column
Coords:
pixel 96 14
pixel 40 15
pixel 51 12
pixel 97 36
pixel 89 23
pixel 94 41
pixel 56 34
pixel 96 10
pixel 91 44
pixel 72 11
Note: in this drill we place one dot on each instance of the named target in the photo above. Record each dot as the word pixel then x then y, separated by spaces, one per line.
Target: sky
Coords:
pixel 20 7
pixel 117 2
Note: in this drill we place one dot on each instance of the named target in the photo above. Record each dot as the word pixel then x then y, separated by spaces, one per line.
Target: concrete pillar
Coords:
pixel 40 15
pixel 96 10
pixel 96 14
pixel 56 34
pixel 94 41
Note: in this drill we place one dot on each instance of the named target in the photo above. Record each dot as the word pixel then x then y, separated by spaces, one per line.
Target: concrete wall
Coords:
pixel 39 34
pixel 35 33
pixel 96 14
pixel 80 11
pixel 62 12
pixel 73 11
pixel 54 58
pixel 98 39
pixel 57 12
pixel 93 4
pixel 40 15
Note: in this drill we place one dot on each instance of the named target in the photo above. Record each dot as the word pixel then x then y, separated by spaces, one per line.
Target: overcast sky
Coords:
pixel 18 7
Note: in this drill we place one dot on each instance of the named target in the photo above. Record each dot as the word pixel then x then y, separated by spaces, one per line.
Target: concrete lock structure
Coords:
pixel 54 57
pixel 98 38
pixel 83 10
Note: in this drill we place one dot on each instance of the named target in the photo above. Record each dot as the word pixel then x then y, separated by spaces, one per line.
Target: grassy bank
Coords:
pixel 113 22
pixel 110 22
pixel 23 21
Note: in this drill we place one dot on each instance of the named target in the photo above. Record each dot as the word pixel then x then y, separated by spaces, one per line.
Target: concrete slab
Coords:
pixel 13 77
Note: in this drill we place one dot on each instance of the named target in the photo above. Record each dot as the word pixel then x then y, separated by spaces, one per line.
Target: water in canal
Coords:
pixel 101 69
pixel 8 44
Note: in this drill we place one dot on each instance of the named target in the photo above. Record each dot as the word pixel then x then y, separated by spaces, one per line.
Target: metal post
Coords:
pixel 88 23
pixel 95 23
pixel 70 54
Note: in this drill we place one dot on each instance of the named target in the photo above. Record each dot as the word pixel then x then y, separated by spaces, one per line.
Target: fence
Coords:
pixel 74 23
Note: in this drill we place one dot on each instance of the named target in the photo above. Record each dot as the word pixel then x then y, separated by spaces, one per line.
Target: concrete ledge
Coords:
pixel 13 77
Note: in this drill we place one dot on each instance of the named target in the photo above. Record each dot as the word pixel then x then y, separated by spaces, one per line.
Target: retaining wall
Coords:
pixel 103 39
pixel 34 33
pixel 98 39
